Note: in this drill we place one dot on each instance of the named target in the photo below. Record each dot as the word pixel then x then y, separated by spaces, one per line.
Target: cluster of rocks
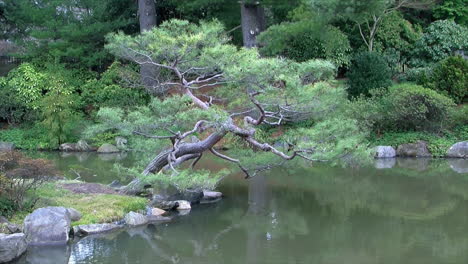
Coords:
pixel 53 225
pixel 420 150
pixel 83 146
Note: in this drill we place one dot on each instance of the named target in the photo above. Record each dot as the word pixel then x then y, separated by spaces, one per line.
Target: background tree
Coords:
pixel 368 15
pixel 69 31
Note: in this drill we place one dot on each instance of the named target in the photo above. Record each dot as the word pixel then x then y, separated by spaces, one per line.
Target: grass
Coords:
pixel 95 208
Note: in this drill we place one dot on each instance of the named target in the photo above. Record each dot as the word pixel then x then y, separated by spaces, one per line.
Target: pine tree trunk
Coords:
pixel 253 22
pixel 147 18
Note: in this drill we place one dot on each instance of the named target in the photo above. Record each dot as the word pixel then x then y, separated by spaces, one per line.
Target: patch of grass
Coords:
pixel 95 208
pixel 437 144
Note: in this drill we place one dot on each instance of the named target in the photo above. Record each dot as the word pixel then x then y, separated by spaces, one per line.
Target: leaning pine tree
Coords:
pixel 217 91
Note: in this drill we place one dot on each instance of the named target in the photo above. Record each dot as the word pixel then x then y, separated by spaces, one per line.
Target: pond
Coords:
pixel 415 212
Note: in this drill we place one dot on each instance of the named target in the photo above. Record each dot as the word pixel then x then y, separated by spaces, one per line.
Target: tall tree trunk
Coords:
pixel 147 18
pixel 253 22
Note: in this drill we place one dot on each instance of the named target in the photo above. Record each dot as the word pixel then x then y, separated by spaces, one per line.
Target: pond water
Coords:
pixel 415 212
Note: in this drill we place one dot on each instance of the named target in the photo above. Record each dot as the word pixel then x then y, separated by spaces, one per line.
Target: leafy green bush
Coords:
pixel 368 71
pixel 404 107
pixel 420 76
pixel 305 40
pixel 317 70
pixel 440 40
pixel 107 91
pixel 450 77
pixel 28 138
pixel 413 107
pixel 103 138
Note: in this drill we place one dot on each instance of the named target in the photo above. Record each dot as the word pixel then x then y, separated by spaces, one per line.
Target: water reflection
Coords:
pixel 415 212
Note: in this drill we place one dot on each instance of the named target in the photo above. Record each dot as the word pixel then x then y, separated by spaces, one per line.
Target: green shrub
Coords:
pixel 420 76
pixel 305 40
pixel 440 40
pixel 317 70
pixel 404 107
pixel 103 138
pixel 413 107
pixel 108 92
pixel 450 77
pixel 368 71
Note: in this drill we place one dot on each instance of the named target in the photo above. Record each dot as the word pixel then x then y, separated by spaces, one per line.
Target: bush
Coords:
pixel 450 77
pixel 18 176
pixel 368 71
pixel 440 40
pixel 405 107
pixel 107 91
pixel 304 40
pixel 28 138
pixel 413 107
pixel 420 76
pixel 317 70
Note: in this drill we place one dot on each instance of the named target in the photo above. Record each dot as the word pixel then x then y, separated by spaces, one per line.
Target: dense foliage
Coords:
pixel 450 77
pixel 368 71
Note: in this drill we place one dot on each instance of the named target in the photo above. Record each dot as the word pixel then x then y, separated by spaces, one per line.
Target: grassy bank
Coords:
pixel 95 208
pixel 438 144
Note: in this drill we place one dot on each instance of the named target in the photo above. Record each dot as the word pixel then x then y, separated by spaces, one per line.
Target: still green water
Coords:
pixel 414 212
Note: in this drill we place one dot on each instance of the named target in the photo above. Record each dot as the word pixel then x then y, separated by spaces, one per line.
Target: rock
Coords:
pixel 8 228
pixel 418 149
pixel 83 146
pixel 458 150
pixel 156 211
pixel 121 142
pixel 107 148
pixel 6 146
pixel 68 147
pixel 210 195
pixel 84 230
pixel 74 214
pixel 384 163
pixel 183 205
pixel 49 225
pixel 135 219
pixel 165 205
pixel 385 152
pixel 12 246
pixel 459 165
pixel 172 194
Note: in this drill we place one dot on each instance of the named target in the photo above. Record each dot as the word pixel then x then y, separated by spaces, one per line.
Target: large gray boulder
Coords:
pixel 415 150
pixel 68 147
pixel 6 146
pixel 83 146
pixel 47 226
pixel 84 230
pixel 211 195
pixel 74 214
pixel 384 152
pixel 12 246
pixel 135 219
pixel 458 150
pixel 107 148
pixel 121 142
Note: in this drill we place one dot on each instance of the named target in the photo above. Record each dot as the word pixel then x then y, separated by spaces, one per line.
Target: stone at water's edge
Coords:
pixel 74 214
pixel 183 205
pixel 458 150
pixel 417 150
pixel 157 211
pixel 121 142
pixel 12 246
pixel 108 148
pixel 385 152
pixel 211 195
pixel 49 225
pixel 6 146
pixel 135 219
pixel 8 228
pixel 82 145
pixel 84 230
